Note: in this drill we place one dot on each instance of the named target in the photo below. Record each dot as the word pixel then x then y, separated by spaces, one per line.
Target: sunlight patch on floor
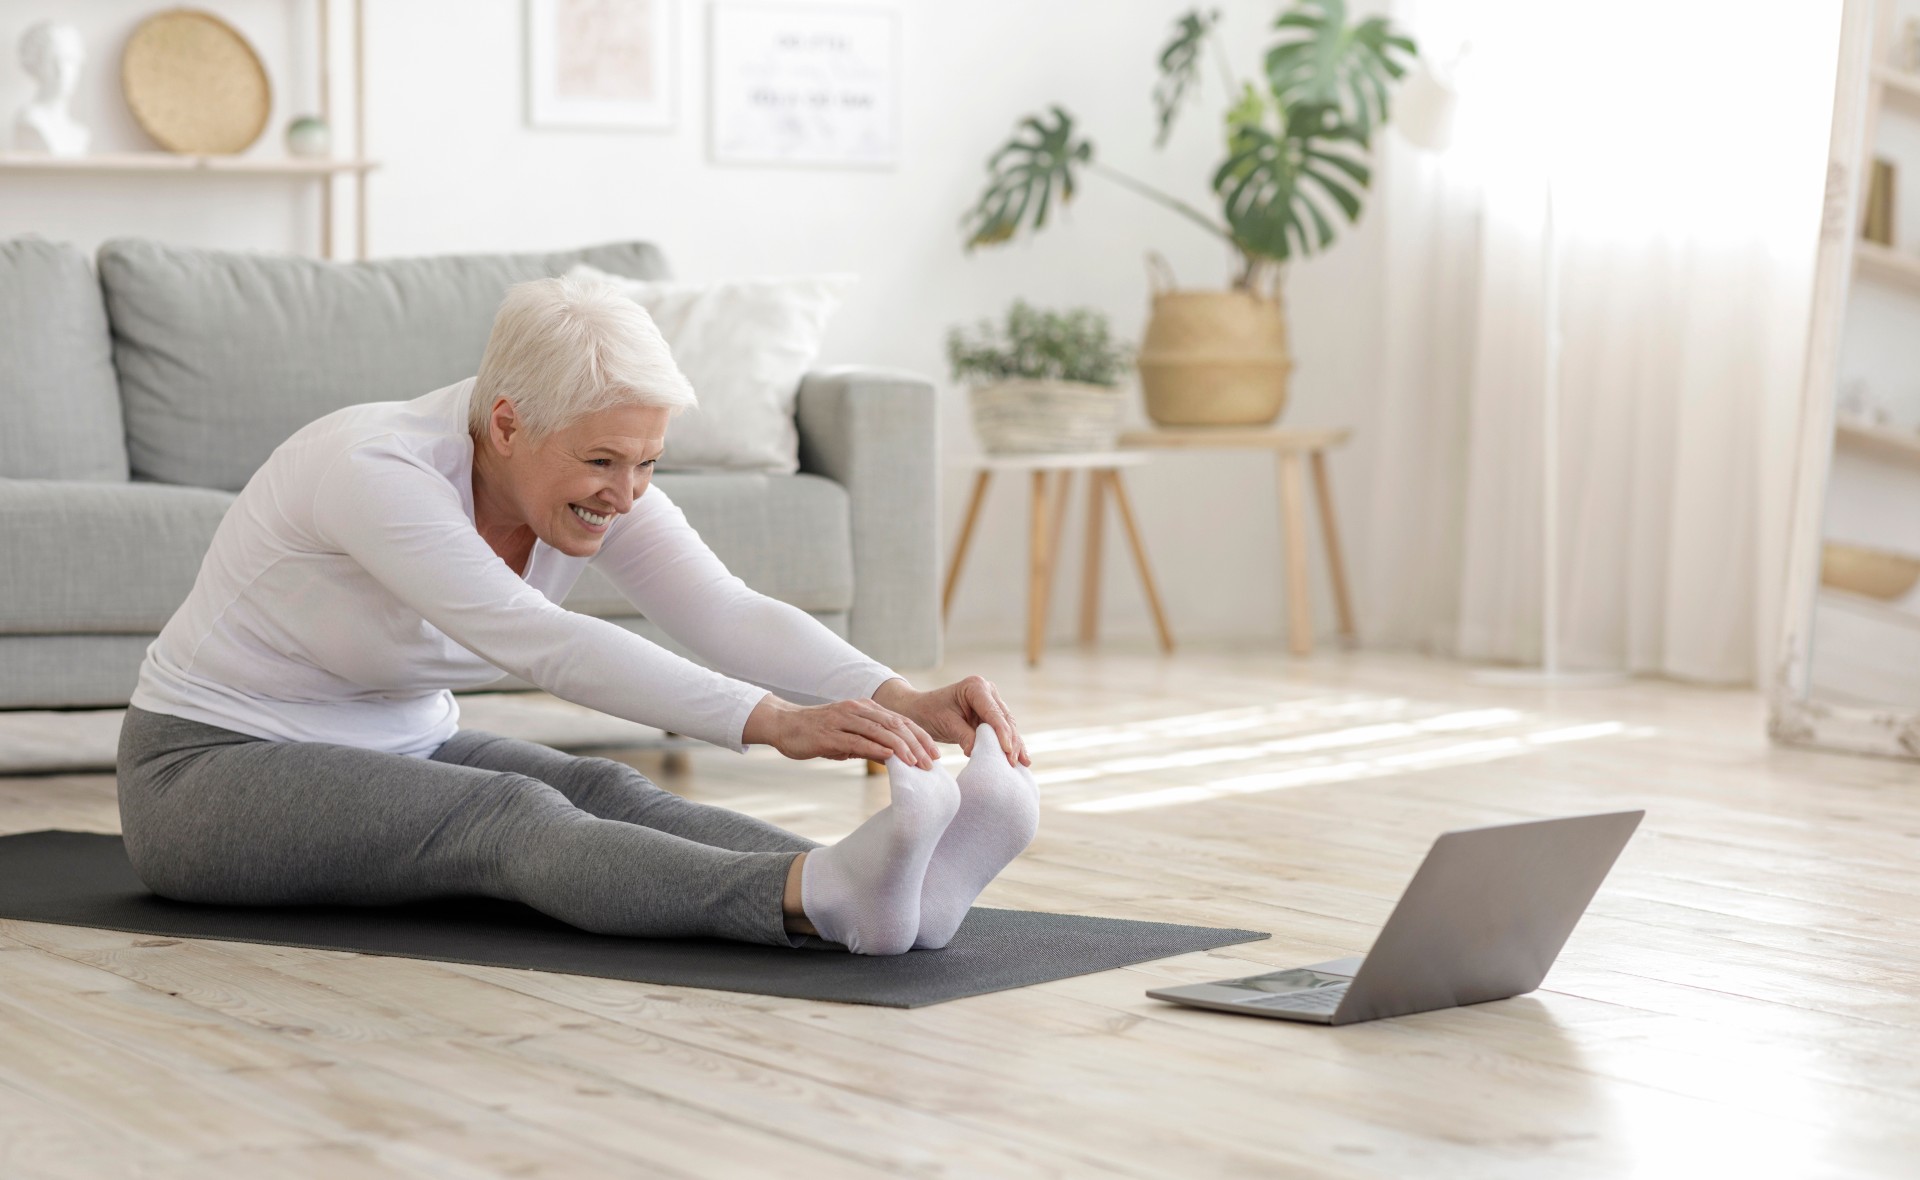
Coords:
pixel 1361 764
pixel 1213 724
pixel 1360 735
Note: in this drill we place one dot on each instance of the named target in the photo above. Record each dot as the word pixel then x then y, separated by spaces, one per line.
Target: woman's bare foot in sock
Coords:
pixel 864 892
pixel 998 816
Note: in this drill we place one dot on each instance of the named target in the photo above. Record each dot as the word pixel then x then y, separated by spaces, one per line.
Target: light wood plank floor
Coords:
pixel 1743 999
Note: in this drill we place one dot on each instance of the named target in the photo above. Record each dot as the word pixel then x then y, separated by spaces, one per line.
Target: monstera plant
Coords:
pixel 1297 149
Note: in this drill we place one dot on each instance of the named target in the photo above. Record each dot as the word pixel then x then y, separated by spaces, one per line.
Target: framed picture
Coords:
pixel 804 84
pixel 600 63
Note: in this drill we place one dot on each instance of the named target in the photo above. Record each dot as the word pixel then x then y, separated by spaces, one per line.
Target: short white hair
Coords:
pixel 564 348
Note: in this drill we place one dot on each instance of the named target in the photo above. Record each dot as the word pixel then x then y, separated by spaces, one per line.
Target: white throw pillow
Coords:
pixel 744 345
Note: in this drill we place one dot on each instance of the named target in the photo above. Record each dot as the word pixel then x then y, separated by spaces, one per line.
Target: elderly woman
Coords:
pixel 293 738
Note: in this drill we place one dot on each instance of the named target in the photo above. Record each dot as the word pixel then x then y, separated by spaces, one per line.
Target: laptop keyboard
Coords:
pixel 1320 999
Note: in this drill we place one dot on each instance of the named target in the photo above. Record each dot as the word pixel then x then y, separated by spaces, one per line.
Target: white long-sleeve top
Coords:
pixel 347 593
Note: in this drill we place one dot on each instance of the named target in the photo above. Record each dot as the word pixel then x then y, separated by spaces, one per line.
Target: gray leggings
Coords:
pixel 210 815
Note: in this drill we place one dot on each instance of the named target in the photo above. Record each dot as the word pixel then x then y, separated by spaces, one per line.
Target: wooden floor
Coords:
pixel 1743 999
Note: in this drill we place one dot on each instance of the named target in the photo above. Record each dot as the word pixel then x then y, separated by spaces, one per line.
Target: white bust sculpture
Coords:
pixel 51 54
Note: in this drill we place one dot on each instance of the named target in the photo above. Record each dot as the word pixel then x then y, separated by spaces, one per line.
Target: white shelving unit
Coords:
pixel 324 170
pixel 1864 648
pixel 1893 92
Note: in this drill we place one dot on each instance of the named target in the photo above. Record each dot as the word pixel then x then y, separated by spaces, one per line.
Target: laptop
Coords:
pixel 1483 919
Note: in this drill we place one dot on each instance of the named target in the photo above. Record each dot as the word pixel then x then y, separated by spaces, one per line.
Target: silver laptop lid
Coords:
pixel 1486 914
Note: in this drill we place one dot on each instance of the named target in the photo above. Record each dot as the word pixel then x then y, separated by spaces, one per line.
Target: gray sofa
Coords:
pixel 135 401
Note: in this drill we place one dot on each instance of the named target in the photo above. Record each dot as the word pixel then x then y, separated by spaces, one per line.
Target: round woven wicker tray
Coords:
pixel 194 84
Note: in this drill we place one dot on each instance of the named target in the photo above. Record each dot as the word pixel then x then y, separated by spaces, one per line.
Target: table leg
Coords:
pixel 1293 531
pixel 1062 489
pixel 1330 532
pixel 1037 572
pixel 1125 510
pixel 966 538
pixel 1090 570
pixel 1062 484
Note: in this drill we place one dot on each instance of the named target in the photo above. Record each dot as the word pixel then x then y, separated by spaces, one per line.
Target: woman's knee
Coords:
pixel 604 781
pixel 504 805
pixel 621 772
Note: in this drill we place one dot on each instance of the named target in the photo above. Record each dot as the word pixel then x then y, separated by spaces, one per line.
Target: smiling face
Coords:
pixel 567 488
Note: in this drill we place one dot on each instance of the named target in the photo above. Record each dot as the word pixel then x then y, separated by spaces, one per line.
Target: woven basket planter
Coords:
pixel 1215 358
pixel 1038 417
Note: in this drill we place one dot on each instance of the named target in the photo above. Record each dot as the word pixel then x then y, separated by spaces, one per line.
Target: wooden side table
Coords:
pixel 1289 447
pixel 1052 479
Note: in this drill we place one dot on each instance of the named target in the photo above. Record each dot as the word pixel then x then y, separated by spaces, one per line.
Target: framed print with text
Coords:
pixel 809 84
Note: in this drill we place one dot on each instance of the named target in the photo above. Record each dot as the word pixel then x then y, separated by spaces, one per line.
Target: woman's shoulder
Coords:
pixel 430 428
pixel 440 414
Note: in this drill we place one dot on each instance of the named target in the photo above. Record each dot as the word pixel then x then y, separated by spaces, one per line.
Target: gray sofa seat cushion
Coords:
pixel 787 536
pixel 223 354
pixel 120 558
pixel 58 394
pixel 100 557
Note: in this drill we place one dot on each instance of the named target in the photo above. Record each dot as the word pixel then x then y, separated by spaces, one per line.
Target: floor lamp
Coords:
pixel 1425 120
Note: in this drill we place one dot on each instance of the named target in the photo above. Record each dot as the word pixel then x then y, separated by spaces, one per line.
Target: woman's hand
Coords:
pixel 840 729
pixel 953 713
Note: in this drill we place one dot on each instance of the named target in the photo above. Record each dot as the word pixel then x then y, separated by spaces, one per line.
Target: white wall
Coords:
pixel 462 172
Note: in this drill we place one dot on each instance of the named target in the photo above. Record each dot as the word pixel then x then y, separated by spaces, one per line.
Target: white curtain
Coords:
pixel 1684 141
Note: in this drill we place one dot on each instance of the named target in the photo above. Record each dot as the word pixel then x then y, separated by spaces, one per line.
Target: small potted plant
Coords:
pixel 1042 381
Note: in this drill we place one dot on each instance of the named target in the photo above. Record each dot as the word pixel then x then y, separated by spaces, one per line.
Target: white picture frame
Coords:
pixel 602 64
pixel 809 85
pixel 1794 716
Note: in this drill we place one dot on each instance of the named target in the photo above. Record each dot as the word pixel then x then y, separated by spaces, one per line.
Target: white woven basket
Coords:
pixel 1028 417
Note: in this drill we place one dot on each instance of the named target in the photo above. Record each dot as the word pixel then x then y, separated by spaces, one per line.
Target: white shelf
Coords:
pixel 1868 649
pixel 173 162
pixel 1898 88
pixel 1884 263
pixel 1900 446
pixel 1880 610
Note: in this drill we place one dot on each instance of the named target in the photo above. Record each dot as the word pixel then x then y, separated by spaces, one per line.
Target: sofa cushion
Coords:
pixel 222 354
pixel 100 557
pixel 57 388
pixel 120 558
pixel 787 536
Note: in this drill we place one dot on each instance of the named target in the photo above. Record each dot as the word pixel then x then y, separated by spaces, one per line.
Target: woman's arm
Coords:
pixel 660 564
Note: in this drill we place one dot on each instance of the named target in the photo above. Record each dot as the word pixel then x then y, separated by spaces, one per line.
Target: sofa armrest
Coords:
pixel 874 431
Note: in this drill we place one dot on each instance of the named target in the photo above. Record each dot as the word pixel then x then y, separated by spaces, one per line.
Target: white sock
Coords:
pixel 864 891
pixel 999 814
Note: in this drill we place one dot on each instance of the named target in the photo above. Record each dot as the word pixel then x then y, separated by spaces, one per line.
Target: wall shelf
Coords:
pixel 322 172
pixel 1899 88
pixel 1899 446
pixel 1886 264
pixel 175 162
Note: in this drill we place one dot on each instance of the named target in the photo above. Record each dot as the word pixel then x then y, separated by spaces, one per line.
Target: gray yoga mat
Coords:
pixel 84 879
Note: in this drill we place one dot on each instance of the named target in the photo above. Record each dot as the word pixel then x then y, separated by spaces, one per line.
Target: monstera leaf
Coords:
pixel 1280 166
pixel 1297 146
pixel 1023 175
pixel 1329 63
pixel 1179 67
